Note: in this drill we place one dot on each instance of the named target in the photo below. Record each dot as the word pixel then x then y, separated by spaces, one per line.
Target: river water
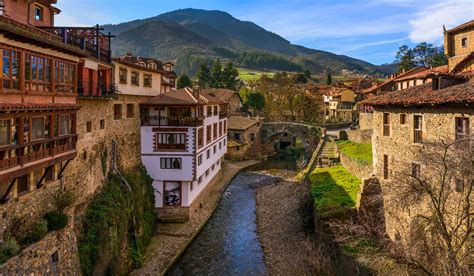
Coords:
pixel 228 243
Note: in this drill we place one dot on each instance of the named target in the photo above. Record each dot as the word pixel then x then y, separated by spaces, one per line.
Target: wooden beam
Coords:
pixel 5 197
pixel 63 168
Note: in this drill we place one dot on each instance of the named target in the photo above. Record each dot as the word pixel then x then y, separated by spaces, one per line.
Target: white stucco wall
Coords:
pixel 140 90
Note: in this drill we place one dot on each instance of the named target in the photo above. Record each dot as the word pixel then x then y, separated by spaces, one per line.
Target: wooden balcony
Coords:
pixel 23 155
pixel 85 89
pixel 186 121
pixel 89 39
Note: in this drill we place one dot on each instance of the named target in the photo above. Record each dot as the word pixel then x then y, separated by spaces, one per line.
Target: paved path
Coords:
pixel 172 239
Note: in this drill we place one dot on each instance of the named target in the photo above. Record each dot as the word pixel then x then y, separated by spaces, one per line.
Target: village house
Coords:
pixel 183 141
pixel 459 48
pixel 231 97
pixel 143 76
pixel 244 137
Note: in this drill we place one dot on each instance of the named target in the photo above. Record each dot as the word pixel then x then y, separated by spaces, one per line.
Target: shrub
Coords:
pixel 343 135
pixel 8 249
pixel 40 229
pixel 63 199
pixel 56 220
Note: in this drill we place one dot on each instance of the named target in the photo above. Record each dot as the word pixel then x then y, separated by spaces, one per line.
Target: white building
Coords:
pixel 183 140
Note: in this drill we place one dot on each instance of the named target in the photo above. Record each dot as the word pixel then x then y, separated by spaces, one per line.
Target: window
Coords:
pixel 102 124
pixel 5 130
pixel 49 174
pixel 208 154
pixel 38 128
pixel 117 111
pixel 207 172
pixel 208 134
pixel 416 170
pixel 147 80
pixel 55 257
pixel 225 127
pixel 462 128
pixel 22 185
pixel 224 141
pixel 89 127
pixel 252 137
pixel 386 124
pixel 10 69
pixel 214 128
pixel 172 193
pixel 220 144
pixel 213 167
pixel 464 42
pixel 218 162
pixel 135 78
pixel 171 141
pixel 130 110
pixel 170 163
pixel 38 13
pixel 418 128
pixel 200 180
pixel 385 167
pixel 215 110
pixel 214 149
pixel 64 125
pixel 220 128
pixel 200 160
pixel 403 119
pixel 238 148
pixel 123 75
pixel 200 137
pixel 37 73
pixel 209 111
pixel 459 185
pixel 237 136
pixel 65 76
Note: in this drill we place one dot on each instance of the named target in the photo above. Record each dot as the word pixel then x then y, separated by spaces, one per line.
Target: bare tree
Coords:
pixel 440 187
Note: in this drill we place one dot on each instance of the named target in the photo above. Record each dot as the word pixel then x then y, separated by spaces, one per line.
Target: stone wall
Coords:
pixel 361 171
pixel 55 254
pixel 249 149
pixel 362 136
pixel 366 120
pixel 84 176
pixel 402 152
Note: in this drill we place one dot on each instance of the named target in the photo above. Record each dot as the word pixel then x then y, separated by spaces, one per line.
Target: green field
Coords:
pixel 361 153
pixel 333 188
pixel 251 75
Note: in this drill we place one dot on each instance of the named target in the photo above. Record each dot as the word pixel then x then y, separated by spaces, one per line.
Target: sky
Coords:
pixel 371 30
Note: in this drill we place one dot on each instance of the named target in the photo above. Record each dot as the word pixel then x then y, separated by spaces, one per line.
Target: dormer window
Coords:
pixel 464 42
pixel 38 13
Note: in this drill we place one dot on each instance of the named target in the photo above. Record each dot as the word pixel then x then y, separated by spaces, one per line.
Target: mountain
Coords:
pixel 192 36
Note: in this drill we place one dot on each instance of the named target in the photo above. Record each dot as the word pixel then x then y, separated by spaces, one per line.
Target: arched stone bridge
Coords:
pixel 280 135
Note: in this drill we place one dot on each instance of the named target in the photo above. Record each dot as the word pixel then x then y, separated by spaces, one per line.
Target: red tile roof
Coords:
pixel 406 74
pixel 423 74
pixel 185 96
pixel 463 62
pixel 425 95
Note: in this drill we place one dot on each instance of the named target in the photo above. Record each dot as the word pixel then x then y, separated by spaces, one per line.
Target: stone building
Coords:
pixel 403 122
pixel 244 137
pixel 459 47
pixel 231 97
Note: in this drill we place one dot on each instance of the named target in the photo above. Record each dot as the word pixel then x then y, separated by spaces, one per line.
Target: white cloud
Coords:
pixel 428 24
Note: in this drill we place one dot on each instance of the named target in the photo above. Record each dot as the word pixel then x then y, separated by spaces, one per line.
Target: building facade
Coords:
pixel 244 137
pixel 183 141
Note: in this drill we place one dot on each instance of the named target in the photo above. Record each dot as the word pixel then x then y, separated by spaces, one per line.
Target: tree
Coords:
pixel 216 80
pixel 230 77
pixel 300 78
pixel 184 81
pixel 329 79
pixel 256 100
pixel 203 76
pixel 307 73
pixel 424 54
pixel 441 188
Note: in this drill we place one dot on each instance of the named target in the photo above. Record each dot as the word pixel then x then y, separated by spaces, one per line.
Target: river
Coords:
pixel 228 243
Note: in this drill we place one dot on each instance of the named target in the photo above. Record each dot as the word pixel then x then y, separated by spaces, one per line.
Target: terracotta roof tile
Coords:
pixel 185 96
pixel 463 26
pixel 425 95
pixel 423 74
pixel 243 123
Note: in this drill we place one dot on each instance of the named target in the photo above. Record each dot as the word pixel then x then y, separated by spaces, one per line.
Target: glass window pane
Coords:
pixel 38 128
pixel 4 132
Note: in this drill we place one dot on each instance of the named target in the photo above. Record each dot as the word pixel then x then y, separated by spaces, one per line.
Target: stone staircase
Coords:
pixel 327 152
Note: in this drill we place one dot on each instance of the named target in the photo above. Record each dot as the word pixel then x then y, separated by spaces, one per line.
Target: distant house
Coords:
pixel 459 48
pixel 231 97
pixel 244 137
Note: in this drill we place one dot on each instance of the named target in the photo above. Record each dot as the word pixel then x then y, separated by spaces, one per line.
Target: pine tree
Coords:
pixel 203 76
pixel 230 77
pixel 329 79
pixel 216 75
pixel 184 81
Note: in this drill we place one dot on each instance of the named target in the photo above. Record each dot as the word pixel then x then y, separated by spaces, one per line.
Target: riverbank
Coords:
pixel 288 249
pixel 172 239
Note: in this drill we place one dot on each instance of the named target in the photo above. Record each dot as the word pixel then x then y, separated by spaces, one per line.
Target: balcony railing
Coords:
pixel 156 120
pixel 20 155
pixel 86 89
pixel 89 39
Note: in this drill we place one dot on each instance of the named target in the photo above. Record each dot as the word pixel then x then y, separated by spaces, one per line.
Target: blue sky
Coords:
pixel 371 30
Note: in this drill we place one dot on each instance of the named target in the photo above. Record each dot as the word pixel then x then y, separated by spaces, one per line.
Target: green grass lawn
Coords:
pixel 250 75
pixel 356 151
pixel 333 188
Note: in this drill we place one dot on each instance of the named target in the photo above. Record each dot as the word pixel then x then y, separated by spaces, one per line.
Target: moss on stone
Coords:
pixel 361 153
